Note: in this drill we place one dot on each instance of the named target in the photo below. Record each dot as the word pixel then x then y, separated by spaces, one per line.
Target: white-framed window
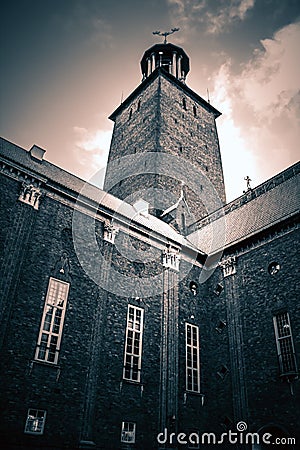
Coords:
pixel 128 432
pixel 133 344
pixel 285 344
pixel 35 421
pixel 192 358
pixel 49 339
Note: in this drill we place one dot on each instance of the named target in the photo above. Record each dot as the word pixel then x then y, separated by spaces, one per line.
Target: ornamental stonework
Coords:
pixel 30 195
pixel 229 266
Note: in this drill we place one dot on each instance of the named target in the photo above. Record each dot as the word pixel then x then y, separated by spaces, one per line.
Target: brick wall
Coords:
pixel 157 121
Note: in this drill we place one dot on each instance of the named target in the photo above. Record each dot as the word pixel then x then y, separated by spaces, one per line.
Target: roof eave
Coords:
pixel 160 71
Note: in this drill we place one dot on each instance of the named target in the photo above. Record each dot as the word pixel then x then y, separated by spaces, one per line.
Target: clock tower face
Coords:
pixel 165 146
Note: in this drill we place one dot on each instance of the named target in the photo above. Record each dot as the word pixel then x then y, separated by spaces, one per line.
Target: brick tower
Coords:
pixel 164 117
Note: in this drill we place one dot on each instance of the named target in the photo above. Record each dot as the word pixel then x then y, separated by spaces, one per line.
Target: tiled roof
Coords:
pixel 56 177
pixel 274 201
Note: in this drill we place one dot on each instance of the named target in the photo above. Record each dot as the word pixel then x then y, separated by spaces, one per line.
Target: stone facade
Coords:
pixel 204 356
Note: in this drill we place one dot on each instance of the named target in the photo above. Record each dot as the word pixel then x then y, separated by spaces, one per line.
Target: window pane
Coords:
pixel 35 421
pixel 52 321
pixel 285 346
pixel 133 343
pixel 192 358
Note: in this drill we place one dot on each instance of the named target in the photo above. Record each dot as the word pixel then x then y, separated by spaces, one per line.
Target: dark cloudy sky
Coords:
pixel 66 63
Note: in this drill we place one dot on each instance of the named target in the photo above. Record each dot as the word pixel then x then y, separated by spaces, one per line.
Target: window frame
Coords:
pixel 58 312
pixel 136 336
pixel 189 368
pixel 287 338
pixel 32 418
pixel 129 433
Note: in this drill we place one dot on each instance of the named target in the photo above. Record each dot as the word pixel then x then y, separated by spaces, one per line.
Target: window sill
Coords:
pixel 45 363
pixel 198 394
pixel 137 383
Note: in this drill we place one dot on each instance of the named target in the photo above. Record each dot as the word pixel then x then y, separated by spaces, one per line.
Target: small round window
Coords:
pixel 273 268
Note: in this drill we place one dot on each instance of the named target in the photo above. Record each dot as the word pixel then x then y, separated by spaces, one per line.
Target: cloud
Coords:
pixel 86 23
pixel 91 150
pixel 215 17
pixel 262 103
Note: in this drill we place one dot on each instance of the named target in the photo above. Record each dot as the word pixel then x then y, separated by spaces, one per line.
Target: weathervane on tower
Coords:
pixel 166 33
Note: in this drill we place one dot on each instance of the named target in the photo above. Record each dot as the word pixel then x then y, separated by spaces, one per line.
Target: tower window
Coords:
pixel 128 432
pixel 184 103
pixel 48 345
pixel 130 113
pixel 285 344
pixel 35 421
pixel 139 105
pixel 180 148
pixel 195 111
pixel 192 358
pixel 133 344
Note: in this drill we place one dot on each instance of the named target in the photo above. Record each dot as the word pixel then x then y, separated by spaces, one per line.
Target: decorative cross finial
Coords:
pixel 166 33
pixel 248 179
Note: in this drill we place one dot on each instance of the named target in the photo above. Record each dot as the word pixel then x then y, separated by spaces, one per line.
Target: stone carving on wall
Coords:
pixel 171 259
pixel 30 195
pixel 229 266
pixel 110 232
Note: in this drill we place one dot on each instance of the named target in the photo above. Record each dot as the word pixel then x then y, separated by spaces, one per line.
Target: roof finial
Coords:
pixel 248 180
pixel 166 33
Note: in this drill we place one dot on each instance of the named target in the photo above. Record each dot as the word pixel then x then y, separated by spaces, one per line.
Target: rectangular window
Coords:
pixel 35 421
pixel 128 432
pixel 285 345
pixel 192 358
pixel 133 344
pixel 52 321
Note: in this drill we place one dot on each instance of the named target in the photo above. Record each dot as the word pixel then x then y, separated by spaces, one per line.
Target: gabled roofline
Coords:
pixel 247 196
pixel 156 73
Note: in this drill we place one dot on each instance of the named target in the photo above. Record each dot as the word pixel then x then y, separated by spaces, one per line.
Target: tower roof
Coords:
pixel 161 72
pixel 169 56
